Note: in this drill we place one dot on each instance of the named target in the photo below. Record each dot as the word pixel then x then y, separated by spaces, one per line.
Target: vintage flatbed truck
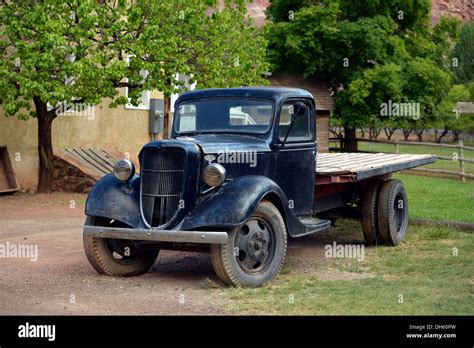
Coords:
pixel 238 175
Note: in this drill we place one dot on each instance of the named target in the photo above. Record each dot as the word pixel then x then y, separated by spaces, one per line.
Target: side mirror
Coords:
pixel 299 108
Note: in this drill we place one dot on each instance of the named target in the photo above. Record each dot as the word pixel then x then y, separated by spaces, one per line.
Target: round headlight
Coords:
pixel 214 174
pixel 124 170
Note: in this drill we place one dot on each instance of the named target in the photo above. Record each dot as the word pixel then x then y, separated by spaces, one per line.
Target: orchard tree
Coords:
pixel 58 52
pixel 449 119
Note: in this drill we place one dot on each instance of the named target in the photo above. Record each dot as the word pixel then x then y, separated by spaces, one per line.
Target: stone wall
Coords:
pixel 70 178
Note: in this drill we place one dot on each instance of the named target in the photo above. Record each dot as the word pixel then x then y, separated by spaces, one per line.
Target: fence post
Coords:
pixel 461 160
pixel 397 146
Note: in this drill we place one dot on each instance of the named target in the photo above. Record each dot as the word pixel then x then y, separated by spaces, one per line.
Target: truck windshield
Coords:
pixel 227 115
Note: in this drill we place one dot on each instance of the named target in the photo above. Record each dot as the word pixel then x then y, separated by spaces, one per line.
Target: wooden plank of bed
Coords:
pixel 360 166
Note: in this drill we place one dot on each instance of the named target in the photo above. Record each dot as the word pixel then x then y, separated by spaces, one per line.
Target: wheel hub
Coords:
pixel 123 251
pixel 254 246
pixel 257 245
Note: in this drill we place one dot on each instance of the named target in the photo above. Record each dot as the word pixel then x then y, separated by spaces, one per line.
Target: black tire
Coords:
pixel 255 252
pixel 368 209
pixel 392 212
pixel 104 254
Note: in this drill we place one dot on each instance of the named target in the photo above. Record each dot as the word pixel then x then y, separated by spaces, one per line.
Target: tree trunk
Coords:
pixel 350 142
pixel 419 134
pixel 389 132
pixel 406 133
pixel 442 135
pixel 45 146
pixel 374 132
pixel 456 136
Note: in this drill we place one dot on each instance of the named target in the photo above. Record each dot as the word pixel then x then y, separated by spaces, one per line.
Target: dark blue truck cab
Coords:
pixel 236 178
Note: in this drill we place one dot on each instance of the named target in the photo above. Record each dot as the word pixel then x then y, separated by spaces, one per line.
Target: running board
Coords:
pixel 314 225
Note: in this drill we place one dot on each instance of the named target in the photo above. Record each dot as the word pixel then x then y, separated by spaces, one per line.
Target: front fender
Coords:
pixel 234 203
pixel 113 199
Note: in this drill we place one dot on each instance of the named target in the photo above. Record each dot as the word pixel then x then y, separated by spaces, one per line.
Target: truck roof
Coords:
pixel 273 93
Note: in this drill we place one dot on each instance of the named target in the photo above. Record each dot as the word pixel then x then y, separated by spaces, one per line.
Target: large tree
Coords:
pixel 368 52
pixel 58 52
pixel 463 55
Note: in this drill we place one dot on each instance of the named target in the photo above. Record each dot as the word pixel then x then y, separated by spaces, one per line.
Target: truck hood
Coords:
pixel 222 143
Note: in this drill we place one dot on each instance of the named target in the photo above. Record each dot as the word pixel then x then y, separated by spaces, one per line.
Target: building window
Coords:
pixel 145 96
pixel 186 87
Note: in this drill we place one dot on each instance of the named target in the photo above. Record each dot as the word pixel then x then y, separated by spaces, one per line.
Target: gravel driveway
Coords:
pixel 61 280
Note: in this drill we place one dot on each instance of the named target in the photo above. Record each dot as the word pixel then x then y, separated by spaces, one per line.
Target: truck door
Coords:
pixel 296 156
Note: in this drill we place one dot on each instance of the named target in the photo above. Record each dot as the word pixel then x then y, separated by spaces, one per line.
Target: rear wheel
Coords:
pixel 369 207
pixel 116 257
pixel 255 251
pixel 392 212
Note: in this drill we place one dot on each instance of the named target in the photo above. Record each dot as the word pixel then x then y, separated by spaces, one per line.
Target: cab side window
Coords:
pixel 301 129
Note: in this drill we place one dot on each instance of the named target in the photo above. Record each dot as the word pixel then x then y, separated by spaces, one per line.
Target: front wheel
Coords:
pixel 255 251
pixel 116 257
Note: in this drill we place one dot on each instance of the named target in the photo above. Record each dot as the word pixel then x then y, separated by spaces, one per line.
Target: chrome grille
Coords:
pixel 162 178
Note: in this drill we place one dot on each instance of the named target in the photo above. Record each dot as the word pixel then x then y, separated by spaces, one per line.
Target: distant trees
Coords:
pixel 370 53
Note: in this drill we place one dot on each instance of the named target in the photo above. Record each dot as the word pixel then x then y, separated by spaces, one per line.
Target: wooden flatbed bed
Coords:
pixel 353 167
pixel 341 176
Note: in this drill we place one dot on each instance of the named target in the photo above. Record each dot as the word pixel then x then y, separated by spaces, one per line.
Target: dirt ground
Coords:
pixel 62 281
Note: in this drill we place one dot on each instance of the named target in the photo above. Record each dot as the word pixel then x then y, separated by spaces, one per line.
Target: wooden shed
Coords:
pixel 321 94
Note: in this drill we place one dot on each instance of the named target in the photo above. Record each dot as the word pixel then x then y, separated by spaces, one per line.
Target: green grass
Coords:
pixel 423 271
pixel 439 199
pixel 420 149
